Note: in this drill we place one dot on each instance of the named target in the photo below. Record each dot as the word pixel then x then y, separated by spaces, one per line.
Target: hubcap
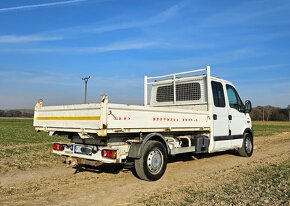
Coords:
pixel 248 145
pixel 155 161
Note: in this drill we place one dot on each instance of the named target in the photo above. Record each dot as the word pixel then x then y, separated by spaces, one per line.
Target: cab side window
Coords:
pixel 234 99
pixel 218 94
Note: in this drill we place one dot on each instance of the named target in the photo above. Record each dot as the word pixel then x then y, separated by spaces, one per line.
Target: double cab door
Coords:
pixel 228 118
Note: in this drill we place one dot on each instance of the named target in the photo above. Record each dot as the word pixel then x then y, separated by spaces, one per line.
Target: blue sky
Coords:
pixel 46 47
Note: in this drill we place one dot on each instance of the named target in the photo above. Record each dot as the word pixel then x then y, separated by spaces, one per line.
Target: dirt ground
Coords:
pixel 114 185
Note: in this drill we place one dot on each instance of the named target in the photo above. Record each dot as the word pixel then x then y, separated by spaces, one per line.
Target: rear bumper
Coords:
pixel 87 152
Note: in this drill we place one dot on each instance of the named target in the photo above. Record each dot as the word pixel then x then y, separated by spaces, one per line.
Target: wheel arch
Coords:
pixel 250 131
pixel 136 148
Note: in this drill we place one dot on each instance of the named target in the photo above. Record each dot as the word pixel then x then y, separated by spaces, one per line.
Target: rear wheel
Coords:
pixel 152 164
pixel 248 146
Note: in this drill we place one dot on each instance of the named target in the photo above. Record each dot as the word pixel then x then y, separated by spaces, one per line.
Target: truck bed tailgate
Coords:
pixel 68 116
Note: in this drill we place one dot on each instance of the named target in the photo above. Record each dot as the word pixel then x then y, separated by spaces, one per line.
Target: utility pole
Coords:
pixel 86 79
pixel 289 112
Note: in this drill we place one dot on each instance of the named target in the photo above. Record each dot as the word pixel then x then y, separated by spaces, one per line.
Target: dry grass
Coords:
pixel 267 184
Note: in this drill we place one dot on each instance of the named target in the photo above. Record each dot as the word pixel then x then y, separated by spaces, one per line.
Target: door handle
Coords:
pixel 230 117
pixel 214 117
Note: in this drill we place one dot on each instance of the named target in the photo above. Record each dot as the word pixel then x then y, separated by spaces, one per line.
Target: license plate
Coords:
pixel 82 150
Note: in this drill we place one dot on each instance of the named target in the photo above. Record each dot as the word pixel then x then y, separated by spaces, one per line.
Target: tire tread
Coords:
pixel 242 151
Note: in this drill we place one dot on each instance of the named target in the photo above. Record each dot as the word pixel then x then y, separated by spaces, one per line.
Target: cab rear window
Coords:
pixel 184 92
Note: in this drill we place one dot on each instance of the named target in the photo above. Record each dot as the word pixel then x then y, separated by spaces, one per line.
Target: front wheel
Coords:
pixel 248 146
pixel 152 164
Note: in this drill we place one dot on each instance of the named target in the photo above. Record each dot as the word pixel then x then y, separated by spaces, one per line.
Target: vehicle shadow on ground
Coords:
pixel 105 168
pixel 117 168
pixel 192 156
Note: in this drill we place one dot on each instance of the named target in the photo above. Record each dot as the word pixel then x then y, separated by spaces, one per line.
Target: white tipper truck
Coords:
pixel 188 112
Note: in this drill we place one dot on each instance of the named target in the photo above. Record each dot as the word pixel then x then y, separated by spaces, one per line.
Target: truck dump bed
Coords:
pixel 105 118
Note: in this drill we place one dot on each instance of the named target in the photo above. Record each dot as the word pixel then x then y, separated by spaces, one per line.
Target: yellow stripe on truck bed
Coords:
pixel 70 118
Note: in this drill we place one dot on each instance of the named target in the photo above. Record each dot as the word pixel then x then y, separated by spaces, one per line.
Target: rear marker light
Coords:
pixel 109 153
pixel 57 147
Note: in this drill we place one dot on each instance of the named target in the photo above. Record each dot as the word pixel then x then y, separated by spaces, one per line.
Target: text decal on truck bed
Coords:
pixel 174 119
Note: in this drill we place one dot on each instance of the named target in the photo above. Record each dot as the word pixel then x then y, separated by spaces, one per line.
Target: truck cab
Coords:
pixel 229 116
pixel 231 119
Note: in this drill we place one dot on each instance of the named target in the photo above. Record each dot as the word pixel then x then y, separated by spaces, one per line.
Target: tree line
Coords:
pixel 16 113
pixel 269 113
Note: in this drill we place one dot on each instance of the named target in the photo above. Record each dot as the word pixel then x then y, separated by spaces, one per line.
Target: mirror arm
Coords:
pixel 243 109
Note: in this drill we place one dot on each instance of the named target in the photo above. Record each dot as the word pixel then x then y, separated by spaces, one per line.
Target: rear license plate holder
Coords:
pixel 84 150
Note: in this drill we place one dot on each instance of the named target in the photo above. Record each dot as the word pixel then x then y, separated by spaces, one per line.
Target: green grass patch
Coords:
pixel 270 128
pixel 23 148
pixel 21 131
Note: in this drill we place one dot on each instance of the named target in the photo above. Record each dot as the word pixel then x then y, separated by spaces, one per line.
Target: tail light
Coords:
pixel 57 147
pixel 109 153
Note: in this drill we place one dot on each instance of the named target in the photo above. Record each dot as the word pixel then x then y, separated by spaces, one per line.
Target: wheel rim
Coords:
pixel 155 161
pixel 248 145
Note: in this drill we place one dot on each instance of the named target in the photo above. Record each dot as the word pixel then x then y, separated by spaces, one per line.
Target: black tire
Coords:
pixel 152 164
pixel 248 146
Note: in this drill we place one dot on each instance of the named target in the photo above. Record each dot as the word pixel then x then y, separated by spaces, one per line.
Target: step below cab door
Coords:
pixel 220 117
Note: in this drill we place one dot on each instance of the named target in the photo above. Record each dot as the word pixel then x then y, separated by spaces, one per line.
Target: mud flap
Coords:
pixel 135 150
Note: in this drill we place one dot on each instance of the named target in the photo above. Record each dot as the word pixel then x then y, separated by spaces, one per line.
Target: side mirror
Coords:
pixel 248 106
